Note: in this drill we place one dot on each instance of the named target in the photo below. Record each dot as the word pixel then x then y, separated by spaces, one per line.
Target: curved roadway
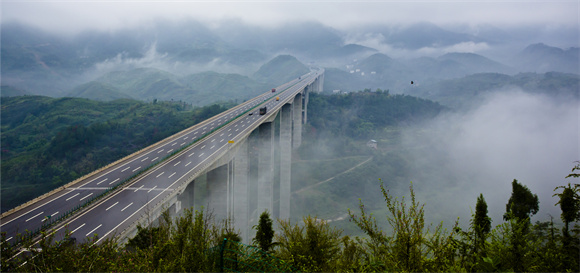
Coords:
pixel 117 211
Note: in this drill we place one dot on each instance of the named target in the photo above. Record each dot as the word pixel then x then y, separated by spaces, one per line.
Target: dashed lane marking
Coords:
pixel 72 196
pixel 35 216
pixel 112 205
pixel 127 206
pixel 77 228
pixel 90 232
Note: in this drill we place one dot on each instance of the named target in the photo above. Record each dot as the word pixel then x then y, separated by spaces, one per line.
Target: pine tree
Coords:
pixel 264 232
pixel 481 222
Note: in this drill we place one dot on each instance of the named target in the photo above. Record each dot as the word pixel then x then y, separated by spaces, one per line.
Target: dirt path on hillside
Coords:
pixel 327 180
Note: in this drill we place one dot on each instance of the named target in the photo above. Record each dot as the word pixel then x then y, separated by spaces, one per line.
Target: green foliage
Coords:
pixel 264 233
pixel 48 142
pixel 360 114
pixel 569 201
pixel 408 246
pixel 522 203
pixel 314 247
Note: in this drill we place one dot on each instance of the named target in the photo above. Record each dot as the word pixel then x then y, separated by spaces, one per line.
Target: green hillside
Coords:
pixel 49 142
pixel 460 92
pixel 97 91
pixel 281 69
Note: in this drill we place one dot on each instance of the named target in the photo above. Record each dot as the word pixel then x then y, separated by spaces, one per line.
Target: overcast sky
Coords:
pixel 71 16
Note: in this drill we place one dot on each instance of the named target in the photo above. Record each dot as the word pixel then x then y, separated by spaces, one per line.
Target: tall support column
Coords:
pixel 285 160
pixel 217 188
pixel 187 196
pixel 241 191
pixel 305 106
pixel 297 121
pixel 265 168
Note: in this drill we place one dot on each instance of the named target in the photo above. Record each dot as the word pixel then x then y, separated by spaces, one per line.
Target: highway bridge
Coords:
pixel 233 152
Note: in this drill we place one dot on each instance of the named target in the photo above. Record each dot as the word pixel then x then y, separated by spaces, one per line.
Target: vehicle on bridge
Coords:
pixel 263 110
pixel 277 98
pixel 273 90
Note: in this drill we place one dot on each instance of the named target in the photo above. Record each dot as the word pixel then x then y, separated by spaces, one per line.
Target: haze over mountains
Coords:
pixel 201 64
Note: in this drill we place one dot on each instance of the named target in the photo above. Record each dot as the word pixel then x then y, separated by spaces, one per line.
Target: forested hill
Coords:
pixel 49 142
pixel 364 113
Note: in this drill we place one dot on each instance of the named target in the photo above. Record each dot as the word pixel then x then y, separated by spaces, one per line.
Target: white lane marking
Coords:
pixel 52 215
pixel 191 154
pixel 237 130
pixel 170 151
pixel 202 147
pixel 127 206
pixel 229 129
pixel 211 128
pixel 137 169
pixel 154 159
pixel 200 155
pixel 103 181
pixel 176 164
pixel 195 133
pixel 112 205
pixel 222 134
pixel 83 198
pixel 203 132
pixel 138 188
pixel 8 239
pixel 77 228
pixel 144 159
pixel 125 169
pixel 212 147
pixel 222 140
pixel 182 144
pixel 171 175
pixel 213 140
pixel 236 125
pixel 229 134
pixel 243 125
pixel 187 164
pixel 72 196
pixel 160 151
pixel 151 189
pixel 173 143
pixel 205 127
pixel 183 139
pixel 114 181
pixel 34 216
pixel 160 174
pixel 90 232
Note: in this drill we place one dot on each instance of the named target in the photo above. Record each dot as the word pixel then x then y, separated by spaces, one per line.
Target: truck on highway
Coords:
pixel 263 110
pixel 277 98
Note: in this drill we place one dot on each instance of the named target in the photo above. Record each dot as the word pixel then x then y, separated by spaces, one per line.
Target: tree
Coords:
pixel 264 232
pixel 569 204
pixel 522 203
pixel 481 222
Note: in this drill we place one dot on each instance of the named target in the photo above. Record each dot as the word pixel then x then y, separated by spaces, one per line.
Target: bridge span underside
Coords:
pixel 253 176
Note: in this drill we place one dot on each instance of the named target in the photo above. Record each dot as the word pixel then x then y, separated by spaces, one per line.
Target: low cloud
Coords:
pixel 163 61
pixel 511 135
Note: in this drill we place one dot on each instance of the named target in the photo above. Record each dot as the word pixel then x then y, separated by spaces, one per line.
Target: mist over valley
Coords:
pixel 455 109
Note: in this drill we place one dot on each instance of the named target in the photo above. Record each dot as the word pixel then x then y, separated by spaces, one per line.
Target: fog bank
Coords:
pixel 510 135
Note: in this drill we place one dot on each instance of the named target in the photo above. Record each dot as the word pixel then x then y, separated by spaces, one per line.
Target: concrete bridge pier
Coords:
pixel 241 191
pixel 285 160
pixel 265 168
pixel 218 190
pixel 297 121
